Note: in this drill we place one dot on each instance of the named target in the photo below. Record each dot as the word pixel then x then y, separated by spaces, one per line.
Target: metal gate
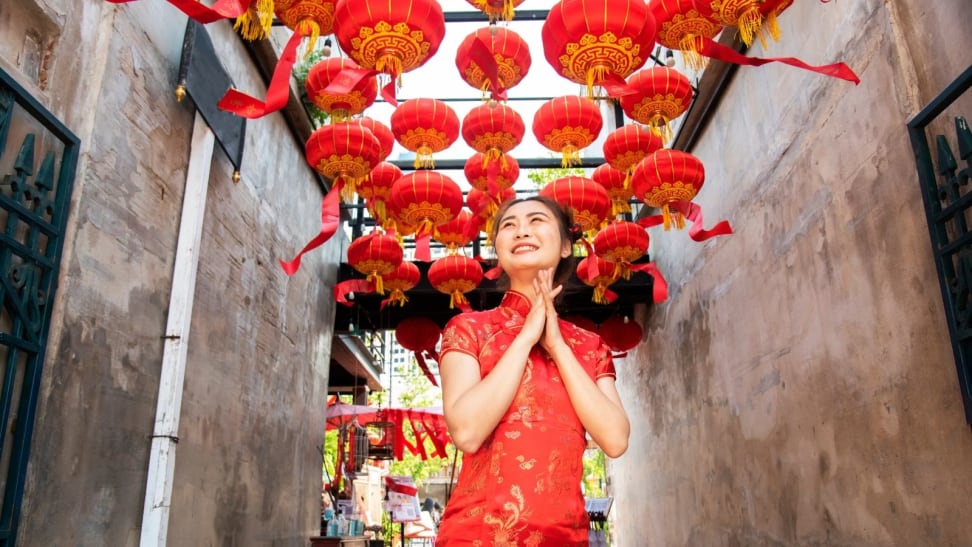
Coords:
pixel 38 158
pixel 948 206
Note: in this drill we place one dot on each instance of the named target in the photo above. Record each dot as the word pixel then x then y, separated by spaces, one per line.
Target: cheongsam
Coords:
pixel 523 486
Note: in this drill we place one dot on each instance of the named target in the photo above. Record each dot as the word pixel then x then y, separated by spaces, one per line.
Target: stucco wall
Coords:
pixel 798 388
pixel 248 467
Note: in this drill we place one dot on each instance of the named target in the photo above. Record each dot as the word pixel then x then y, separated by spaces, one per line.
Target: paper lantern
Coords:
pixel 661 95
pixel 455 275
pixel 493 58
pixel 496 9
pixel 680 25
pixel 420 335
pixel 621 243
pixel 621 333
pixel 424 199
pixel 567 125
pixel 389 37
pixel 598 42
pixel 376 189
pixel 587 200
pixel 458 232
pixel 491 176
pixel 745 15
pixel 343 152
pixel 485 204
pixel 596 272
pixel 340 106
pixel 626 146
pixel 425 126
pixel 307 17
pixel 666 177
pixel 403 278
pixel 583 322
pixel 374 255
pixel 616 184
pixel 492 129
pixel 386 139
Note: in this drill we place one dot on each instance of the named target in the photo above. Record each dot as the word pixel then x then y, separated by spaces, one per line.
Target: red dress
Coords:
pixel 522 487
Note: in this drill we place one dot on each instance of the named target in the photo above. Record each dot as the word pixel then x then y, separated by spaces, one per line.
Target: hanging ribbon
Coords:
pixel 201 13
pixel 420 357
pixel 481 54
pixel 349 78
pixel 616 86
pixel 423 246
pixel 435 435
pixel 659 287
pixel 493 273
pixel 342 289
pixel 400 488
pixel 330 220
pixel 715 50
pixel 278 92
pixel 693 213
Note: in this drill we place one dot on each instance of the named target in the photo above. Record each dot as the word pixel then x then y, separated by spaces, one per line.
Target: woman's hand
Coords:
pixel 546 292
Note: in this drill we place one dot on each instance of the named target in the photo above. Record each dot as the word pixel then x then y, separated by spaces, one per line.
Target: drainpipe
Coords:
pixel 165 434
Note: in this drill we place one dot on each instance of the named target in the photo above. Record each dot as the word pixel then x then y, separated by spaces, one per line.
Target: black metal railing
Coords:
pixel 944 179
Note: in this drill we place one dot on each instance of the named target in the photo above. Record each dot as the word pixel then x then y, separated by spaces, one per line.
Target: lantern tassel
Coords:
pixel 690 46
pixel 423 158
pixel 569 155
pixel 375 279
pixel 595 75
pixel 309 27
pixel 750 23
pixel 255 23
pixel 771 27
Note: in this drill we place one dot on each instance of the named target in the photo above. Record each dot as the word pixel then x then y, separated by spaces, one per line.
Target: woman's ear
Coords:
pixel 567 250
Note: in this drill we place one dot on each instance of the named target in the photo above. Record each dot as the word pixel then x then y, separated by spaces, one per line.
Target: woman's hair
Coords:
pixel 569 232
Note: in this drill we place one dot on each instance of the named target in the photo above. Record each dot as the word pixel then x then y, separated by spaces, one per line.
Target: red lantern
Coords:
pixel 583 322
pixel 455 275
pixel 680 26
pixel 306 17
pixel 505 54
pixel 343 152
pixel 339 106
pixel 666 177
pixel 496 9
pixel 596 272
pixel 587 200
pixel 620 333
pixel 598 42
pixel 381 131
pixel 745 15
pixel 566 125
pixel 662 94
pixel 376 190
pixel 419 334
pixel 425 126
pixel 492 129
pixel 628 145
pixel 403 278
pixel 621 243
pixel 485 204
pixel 495 175
pixel 375 254
pixel 617 187
pixel 424 199
pixel 458 232
pixel 389 37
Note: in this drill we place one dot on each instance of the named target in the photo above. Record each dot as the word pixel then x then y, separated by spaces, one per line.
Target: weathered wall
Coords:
pixel 248 468
pixel 798 388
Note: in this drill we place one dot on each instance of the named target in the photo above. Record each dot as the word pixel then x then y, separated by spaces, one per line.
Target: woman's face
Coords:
pixel 528 237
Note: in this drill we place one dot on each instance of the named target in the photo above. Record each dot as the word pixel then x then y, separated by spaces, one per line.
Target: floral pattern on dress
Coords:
pixel 522 487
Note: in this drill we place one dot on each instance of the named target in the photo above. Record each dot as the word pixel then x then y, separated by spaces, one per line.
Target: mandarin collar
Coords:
pixel 516 302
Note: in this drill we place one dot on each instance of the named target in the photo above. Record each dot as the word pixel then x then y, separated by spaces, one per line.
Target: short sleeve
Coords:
pixel 604 368
pixel 460 335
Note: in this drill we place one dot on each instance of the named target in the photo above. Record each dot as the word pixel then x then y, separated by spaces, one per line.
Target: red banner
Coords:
pixel 330 220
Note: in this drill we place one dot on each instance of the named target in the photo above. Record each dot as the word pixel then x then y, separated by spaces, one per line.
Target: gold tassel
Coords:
pixel 569 155
pixel 666 217
pixel 348 189
pixel 423 158
pixel 689 46
pixel 595 74
pixel 398 297
pixel 749 24
pixel 772 27
pixel 375 278
pixel 309 27
pixel 255 23
pixel 599 294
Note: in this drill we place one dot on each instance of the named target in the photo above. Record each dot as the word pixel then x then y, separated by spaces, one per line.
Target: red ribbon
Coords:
pixel 659 286
pixel 419 440
pixel 616 86
pixel 342 289
pixel 493 273
pixel 423 247
pixel 400 488
pixel 199 12
pixel 715 50
pixel 349 79
pixel 694 214
pixel 420 357
pixel 278 92
pixel 480 53
pixel 330 220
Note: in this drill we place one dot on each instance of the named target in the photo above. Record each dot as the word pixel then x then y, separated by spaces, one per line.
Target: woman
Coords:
pixel 520 387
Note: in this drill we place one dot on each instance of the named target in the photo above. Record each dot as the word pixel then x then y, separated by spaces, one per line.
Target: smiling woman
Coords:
pixel 521 389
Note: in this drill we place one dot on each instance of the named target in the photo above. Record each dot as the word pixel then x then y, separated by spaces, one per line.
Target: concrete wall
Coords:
pixel 798 388
pixel 248 469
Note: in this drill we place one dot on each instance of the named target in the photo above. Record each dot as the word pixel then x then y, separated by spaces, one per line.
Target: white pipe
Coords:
pixel 158 487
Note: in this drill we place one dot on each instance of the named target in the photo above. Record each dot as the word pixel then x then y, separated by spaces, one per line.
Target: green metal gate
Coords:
pixel 38 159
pixel 948 207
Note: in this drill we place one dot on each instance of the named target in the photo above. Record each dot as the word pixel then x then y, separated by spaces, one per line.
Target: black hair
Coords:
pixel 569 232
